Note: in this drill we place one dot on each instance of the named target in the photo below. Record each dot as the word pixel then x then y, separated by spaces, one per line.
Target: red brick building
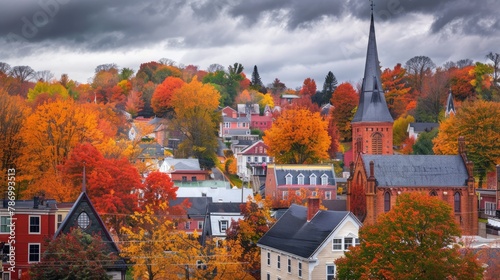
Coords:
pixel 377 177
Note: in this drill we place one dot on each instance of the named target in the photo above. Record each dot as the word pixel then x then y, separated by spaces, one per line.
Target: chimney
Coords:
pixel 312 207
pixel 461 145
pixel 36 202
pixel 372 170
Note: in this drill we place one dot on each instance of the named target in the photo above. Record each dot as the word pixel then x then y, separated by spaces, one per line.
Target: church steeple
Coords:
pixel 372 105
pixel 372 123
pixel 450 106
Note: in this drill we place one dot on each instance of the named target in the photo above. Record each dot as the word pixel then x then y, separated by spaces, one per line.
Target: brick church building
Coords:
pixel 378 176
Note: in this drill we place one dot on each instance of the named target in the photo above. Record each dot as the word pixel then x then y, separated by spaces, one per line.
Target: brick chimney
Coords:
pixel 312 207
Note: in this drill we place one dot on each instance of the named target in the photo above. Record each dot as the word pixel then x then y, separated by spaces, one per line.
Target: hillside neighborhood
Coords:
pixel 174 172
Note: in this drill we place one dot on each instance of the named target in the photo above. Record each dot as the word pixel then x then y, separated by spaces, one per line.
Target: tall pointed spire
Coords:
pixel 450 105
pixel 84 181
pixel 372 108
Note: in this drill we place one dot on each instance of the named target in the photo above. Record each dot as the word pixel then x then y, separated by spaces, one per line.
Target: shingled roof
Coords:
pixel 417 170
pixel 372 105
pixel 295 235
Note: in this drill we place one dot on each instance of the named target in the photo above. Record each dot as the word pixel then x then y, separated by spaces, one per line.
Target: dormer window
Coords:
pixel 300 179
pixel 324 179
pixel 312 179
pixel 288 179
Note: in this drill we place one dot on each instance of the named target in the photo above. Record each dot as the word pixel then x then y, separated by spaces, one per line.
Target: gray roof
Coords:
pixel 238 119
pixel 423 127
pixel 198 205
pixel 450 105
pixel 372 106
pixel 184 163
pixel 307 171
pixel 417 170
pixel 224 207
pixel 293 234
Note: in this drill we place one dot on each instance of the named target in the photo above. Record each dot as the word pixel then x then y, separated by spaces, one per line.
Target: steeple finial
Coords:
pixel 450 105
pixel 84 181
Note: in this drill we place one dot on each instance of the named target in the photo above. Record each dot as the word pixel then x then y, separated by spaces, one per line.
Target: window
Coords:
pixel 268 276
pixel 297 193
pixel 188 225
pixel 184 178
pixel 314 193
pixel 288 179
pixel 289 266
pixel 356 241
pixel 300 269
pixel 433 193
pixel 490 208
pixel 268 258
pixel 312 179
pixel 330 271
pixel 324 179
pixel 457 199
pixel 200 224
pixel 387 202
pixel 249 159
pixel 193 179
pixel 83 220
pixel 34 224
pixel 278 262
pixel 227 125
pixel 223 225
pixel 59 220
pixel 285 195
pixel 377 144
pixel 33 252
pixel 4 224
pixel 347 242
pixel 337 244
pixel 5 252
pixel 6 275
pixel 300 179
pixel 256 159
pixel 328 195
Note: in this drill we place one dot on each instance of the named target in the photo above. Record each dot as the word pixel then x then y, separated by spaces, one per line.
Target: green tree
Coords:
pixel 423 145
pixel 73 256
pixel 415 240
pixel 256 82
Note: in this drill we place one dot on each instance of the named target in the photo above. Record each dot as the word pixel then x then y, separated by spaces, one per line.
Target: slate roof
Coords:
pixel 417 170
pixel 198 205
pixel 183 163
pixel 372 106
pixel 450 105
pixel 423 127
pixel 294 235
pixel 224 207
pixel 307 170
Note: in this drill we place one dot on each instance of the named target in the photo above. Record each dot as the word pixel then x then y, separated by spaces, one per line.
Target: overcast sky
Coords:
pixel 287 39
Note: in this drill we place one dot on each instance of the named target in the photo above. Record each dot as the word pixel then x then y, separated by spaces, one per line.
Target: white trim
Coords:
pixel 8 223
pixel 39 252
pixel 39 224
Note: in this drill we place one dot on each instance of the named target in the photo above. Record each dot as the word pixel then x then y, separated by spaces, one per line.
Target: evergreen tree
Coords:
pixel 329 87
pixel 256 81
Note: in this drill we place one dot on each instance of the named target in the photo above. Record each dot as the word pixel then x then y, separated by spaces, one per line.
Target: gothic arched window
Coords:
pixel 457 199
pixel 387 202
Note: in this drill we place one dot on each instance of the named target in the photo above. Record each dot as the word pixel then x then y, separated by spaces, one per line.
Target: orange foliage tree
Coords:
pixel 308 88
pixel 298 136
pixel 396 90
pixel 345 100
pixel 478 123
pixel 158 187
pixel 49 135
pixel 246 232
pixel 162 96
pixel 414 240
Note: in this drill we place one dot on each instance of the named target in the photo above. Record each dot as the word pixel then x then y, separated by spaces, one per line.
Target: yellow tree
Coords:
pixel 478 123
pixel 298 136
pixel 49 135
pixel 47 88
pixel 195 106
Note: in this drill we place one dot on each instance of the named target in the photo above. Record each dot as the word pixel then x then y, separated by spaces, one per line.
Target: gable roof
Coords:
pixel 96 226
pixel 249 150
pixel 183 163
pixel 293 234
pixel 422 127
pixel 417 170
pixel 372 106
pixel 198 207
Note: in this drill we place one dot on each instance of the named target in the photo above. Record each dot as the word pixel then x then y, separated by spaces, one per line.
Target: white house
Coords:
pixel 305 243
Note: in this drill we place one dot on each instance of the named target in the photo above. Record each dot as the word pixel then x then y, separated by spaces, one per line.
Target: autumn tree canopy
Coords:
pixel 76 255
pixel 414 240
pixel 344 100
pixel 478 123
pixel 195 106
pixel 298 136
pixel 162 96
